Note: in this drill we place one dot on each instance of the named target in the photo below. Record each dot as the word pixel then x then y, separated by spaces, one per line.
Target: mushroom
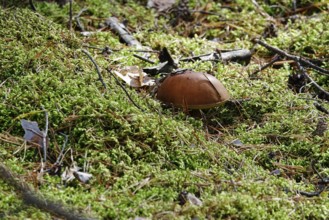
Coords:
pixel 192 90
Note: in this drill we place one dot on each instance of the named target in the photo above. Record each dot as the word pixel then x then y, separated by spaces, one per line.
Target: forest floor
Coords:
pixel 262 155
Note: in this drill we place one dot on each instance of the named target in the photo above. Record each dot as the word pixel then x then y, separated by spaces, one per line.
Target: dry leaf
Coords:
pixel 135 77
pixel 160 5
pixel 82 176
pixel 32 132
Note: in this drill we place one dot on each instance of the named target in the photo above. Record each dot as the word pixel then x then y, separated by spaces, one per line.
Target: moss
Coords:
pixel 141 160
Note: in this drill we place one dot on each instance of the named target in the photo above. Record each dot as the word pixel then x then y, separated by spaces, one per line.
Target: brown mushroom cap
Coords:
pixel 192 90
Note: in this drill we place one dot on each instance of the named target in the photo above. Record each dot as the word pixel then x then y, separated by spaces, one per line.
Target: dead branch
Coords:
pixel 97 68
pixel 323 180
pixel 302 70
pixel 229 56
pixel 297 59
pixel 77 19
pixel 44 136
pixel 262 12
pixel 311 194
pixel 144 59
pixel 110 50
pixel 321 108
pixel 276 58
pixel 119 28
pixel 31 198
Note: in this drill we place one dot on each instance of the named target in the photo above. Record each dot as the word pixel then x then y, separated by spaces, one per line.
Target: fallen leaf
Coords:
pixel 32 132
pixel 160 5
pixel 82 176
pixel 135 77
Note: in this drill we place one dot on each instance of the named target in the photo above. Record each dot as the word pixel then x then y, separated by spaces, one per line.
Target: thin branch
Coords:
pixel 295 58
pixel 262 12
pixel 321 108
pixel 323 180
pixel 124 89
pixel 44 136
pixel 116 50
pixel 228 56
pixel 144 59
pixel 61 154
pixel 31 198
pixel 311 194
pixel 97 68
pixel 276 58
pixel 311 80
pixel 77 18
pixel 123 32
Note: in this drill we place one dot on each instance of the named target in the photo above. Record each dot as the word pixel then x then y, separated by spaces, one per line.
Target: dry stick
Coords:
pixel 321 108
pixel 311 194
pixel 262 12
pixel 301 68
pixel 31 198
pixel 144 59
pixel 77 18
pixel 276 58
pixel 118 27
pixel 295 58
pixel 317 172
pixel 44 135
pixel 61 154
pixel 122 87
pixel 241 54
pixel 97 68
pixel 116 50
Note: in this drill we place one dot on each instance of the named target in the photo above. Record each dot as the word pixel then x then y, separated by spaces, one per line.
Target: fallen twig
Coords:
pixel 276 58
pixel 31 198
pixel 301 68
pixel 61 154
pixel 262 12
pixel 321 108
pixel 118 27
pixel 311 194
pixel 297 59
pixel 77 18
pixel 144 59
pixel 323 180
pixel 97 68
pixel 106 48
pixel 44 135
pixel 234 56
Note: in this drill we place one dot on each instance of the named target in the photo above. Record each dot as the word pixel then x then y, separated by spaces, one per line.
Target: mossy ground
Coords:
pixel 141 160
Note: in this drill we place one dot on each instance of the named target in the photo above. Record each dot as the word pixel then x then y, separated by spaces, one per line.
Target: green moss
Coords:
pixel 141 160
